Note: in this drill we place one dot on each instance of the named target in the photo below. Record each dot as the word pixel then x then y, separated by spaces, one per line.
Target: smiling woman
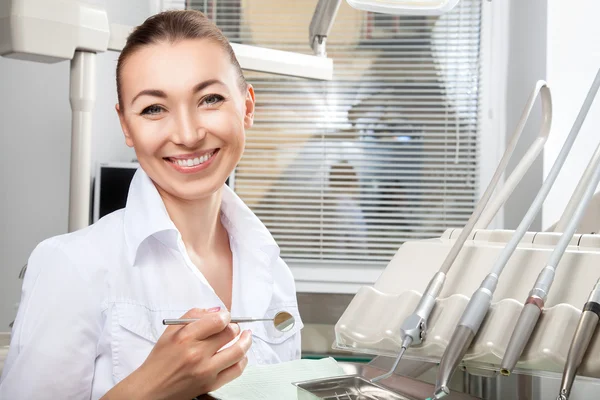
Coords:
pixel 190 92
pixel 184 246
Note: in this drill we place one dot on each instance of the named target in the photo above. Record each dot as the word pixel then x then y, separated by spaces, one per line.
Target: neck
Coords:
pixel 198 221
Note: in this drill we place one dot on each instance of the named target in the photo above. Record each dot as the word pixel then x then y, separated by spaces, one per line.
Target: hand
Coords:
pixel 186 361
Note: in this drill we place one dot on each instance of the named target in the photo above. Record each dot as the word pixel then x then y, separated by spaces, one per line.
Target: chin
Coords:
pixel 191 191
pixel 187 186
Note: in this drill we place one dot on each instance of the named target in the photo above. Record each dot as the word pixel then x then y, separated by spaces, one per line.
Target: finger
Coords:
pixel 229 374
pixel 207 325
pixel 233 354
pixel 217 341
pixel 192 313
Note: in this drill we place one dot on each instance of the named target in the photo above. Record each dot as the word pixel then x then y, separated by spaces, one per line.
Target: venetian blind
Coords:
pixel 345 171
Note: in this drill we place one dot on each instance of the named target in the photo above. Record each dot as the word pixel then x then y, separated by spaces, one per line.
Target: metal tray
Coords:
pixel 403 387
pixel 345 388
pixel 358 378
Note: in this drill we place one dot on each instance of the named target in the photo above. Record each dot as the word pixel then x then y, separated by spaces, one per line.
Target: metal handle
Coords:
pixel 581 340
pixel 185 321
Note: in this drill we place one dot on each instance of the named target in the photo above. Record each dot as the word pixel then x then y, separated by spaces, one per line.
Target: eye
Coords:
pixel 152 110
pixel 212 99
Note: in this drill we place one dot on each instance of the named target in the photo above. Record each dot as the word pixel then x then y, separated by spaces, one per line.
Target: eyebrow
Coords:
pixel 159 93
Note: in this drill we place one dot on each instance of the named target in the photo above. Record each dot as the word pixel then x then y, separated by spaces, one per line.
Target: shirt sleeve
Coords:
pixel 55 335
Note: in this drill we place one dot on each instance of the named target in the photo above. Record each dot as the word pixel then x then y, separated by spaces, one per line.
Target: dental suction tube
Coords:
pixel 537 296
pixel 414 327
pixel 479 304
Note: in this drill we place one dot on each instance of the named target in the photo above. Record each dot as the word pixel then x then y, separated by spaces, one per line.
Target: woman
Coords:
pixel 90 320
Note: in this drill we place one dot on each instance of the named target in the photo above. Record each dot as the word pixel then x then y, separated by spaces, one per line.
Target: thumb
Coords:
pixel 199 312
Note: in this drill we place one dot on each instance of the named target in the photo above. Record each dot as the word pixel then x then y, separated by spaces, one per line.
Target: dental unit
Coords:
pixel 479 303
pixel 537 296
pixel 414 327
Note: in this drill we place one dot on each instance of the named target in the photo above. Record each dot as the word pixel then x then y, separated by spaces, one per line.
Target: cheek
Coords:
pixel 148 136
pixel 228 127
pixel 237 141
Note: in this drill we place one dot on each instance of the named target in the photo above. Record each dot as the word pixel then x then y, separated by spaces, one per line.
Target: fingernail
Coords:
pixel 235 328
pixel 214 309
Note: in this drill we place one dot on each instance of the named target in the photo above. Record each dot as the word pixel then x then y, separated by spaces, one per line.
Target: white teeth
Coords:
pixel 190 162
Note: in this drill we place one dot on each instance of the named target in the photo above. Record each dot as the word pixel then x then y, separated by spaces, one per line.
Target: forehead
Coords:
pixel 176 66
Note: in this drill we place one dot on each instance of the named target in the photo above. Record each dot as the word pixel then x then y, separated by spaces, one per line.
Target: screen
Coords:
pixel 114 187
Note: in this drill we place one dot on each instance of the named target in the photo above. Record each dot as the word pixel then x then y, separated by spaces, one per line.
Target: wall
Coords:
pixel 35 126
pixel 572 62
pixel 526 65
pixel 554 41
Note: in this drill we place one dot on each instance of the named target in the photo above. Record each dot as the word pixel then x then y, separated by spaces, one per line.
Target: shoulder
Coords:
pixel 64 286
pixel 284 285
pixel 84 251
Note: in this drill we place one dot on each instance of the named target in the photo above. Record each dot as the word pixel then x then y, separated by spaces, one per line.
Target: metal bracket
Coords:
pixel 321 24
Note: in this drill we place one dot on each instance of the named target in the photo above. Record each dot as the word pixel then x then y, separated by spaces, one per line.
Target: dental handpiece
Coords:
pixel 463 334
pixel 534 304
pixel 414 327
pixel 479 304
pixel 581 340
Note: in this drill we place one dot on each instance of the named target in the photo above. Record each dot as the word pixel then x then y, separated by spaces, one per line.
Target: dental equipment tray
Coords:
pixel 345 388
pixel 371 322
pixel 357 385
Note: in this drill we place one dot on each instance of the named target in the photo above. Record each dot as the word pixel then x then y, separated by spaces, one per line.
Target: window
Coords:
pixel 343 172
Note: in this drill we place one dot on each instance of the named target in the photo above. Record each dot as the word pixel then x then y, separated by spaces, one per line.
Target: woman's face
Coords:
pixel 185 115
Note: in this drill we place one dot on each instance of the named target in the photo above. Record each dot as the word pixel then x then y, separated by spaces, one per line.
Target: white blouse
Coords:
pixel 93 301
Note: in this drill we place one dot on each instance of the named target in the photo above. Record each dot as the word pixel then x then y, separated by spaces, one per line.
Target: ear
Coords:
pixel 128 138
pixel 249 103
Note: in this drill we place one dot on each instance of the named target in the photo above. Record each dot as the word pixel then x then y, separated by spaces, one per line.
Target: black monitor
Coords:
pixel 111 187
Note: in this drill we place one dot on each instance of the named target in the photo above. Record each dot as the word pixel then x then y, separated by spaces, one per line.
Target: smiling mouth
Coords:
pixel 192 161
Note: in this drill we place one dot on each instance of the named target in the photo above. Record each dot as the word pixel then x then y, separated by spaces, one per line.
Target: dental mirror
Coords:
pixel 283 321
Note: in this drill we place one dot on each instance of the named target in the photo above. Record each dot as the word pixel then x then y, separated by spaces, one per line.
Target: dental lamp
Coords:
pixel 50 31
pixel 405 7
pixel 326 10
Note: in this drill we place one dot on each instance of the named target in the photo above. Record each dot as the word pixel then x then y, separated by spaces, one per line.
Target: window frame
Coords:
pixel 320 277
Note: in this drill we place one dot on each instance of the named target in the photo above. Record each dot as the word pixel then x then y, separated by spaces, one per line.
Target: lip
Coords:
pixel 195 168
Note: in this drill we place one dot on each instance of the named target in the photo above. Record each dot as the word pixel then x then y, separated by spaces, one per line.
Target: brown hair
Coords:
pixel 172 26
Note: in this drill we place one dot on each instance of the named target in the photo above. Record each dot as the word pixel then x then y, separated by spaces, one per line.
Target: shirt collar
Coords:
pixel 258 254
pixel 245 227
pixel 146 216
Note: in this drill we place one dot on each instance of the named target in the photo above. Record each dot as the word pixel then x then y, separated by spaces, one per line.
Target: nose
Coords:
pixel 189 130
